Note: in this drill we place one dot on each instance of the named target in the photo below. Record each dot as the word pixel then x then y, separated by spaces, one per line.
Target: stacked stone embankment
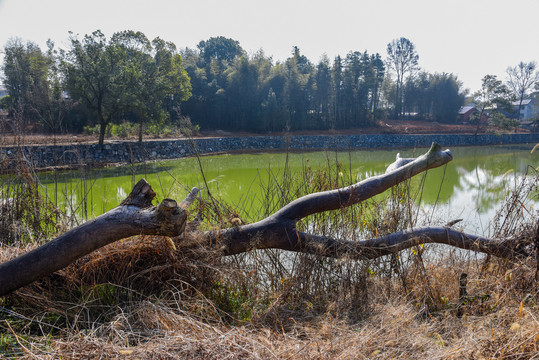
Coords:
pixel 40 156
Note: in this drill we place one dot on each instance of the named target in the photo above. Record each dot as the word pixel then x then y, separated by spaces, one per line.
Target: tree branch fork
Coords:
pixel 137 216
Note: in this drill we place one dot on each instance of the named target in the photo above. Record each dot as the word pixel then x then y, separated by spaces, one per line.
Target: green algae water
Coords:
pixel 471 187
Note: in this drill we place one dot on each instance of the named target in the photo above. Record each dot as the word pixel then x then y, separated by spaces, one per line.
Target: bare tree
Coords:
pixel 522 78
pixel 403 59
pixel 136 215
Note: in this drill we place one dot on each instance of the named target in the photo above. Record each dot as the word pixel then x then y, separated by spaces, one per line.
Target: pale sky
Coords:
pixel 469 38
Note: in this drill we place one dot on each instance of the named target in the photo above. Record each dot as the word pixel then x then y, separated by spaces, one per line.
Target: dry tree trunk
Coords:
pixel 136 216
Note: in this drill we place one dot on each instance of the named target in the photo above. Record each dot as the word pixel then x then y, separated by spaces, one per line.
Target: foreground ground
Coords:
pixel 415 314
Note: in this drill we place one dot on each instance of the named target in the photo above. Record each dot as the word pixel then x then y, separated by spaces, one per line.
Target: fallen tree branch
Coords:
pixel 269 234
pixel 363 190
pixel 279 231
pixel 374 248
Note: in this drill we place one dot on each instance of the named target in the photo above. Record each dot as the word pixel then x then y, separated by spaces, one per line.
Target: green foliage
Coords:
pixel 95 130
pixel 436 97
pixel 500 120
pixel 253 93
pixel 26 214
pixel 128 77
pixel 32 80
pixel 126 74
pixel 9 346
pixel 102 294
pixel 6 103
pixel 124 130
pixel 220 48
pixel 93 71
pixel 492 99
pixel 157 82
pixel 127 130
pixel 237 302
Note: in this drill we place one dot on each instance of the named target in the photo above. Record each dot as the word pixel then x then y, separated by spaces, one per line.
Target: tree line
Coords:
pixel 130 79
pixel 235 91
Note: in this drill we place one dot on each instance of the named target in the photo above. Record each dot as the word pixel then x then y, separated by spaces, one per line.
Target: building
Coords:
pixel 466 112
pixel 528 109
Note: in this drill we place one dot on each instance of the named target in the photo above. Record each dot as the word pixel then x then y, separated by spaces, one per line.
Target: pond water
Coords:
pixel 471 187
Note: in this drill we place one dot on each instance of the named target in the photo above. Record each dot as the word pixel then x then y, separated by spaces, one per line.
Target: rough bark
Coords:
pixel 136 216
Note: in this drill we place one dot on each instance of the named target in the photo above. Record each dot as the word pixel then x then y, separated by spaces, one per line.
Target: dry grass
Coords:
pixel 393 328
pixel 146 298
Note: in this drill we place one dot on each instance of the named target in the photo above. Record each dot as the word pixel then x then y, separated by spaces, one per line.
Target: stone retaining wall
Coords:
pixel 133 152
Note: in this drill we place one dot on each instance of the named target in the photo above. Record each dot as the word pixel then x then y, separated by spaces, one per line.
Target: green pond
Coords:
pixel 471 187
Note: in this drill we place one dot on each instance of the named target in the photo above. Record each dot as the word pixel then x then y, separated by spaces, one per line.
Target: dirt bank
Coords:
pixel 385 127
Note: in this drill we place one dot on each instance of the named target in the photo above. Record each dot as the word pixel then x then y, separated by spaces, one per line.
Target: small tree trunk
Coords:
pixel 102 130
pixel 140 128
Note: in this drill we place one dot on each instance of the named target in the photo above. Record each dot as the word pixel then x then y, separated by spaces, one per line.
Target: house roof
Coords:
pixel 524 102
pixel 465 109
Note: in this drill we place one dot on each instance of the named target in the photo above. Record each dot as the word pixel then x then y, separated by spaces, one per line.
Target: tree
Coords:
pixel 403 59
pixel 26 73
pixel 322 92
pixel 220 48
pixel 355 97
pixel 492 97
pixel 418 95
pixel 36 87
pixel 274 105
pixel 136 216
pixel 137 71
pixel 375 77
pixel 93 70
pixel 446 97
pixel 242 94
pixel 171 83
pixel 154 76
pixel 337 93
pixel 522 78
pixel 208 69
pixel 51 103
pixel 298 70
pixel 500 120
